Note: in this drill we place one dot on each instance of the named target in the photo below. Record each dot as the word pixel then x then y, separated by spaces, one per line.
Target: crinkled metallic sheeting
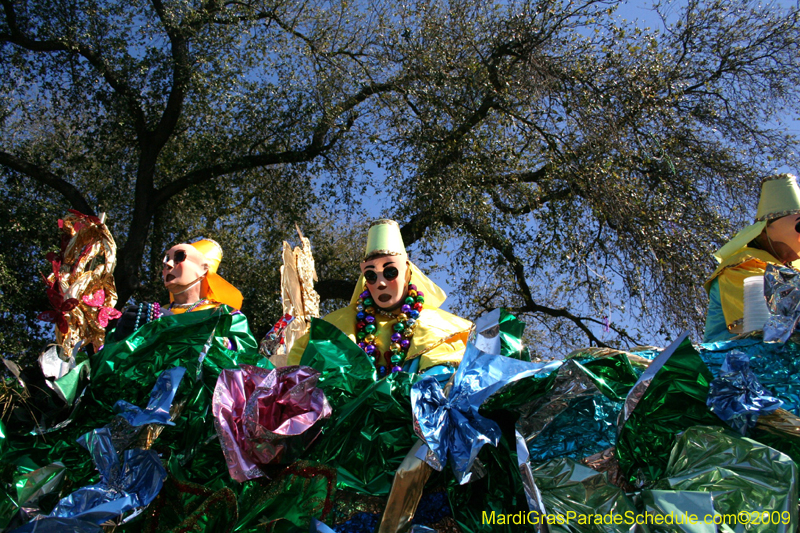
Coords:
pixel 571 489
pixel 407 485
pixel 578 416
pixel 681 511
pixel 613 374
pixel 452 426
pixel 782 290
pixel 606 462
pixel 570 383
pixel 34 403
pixel 500 332
pixel 669 397
pixel 158 407
pixel 736 396
pixel 780 430
pixel 346 371
pixel 743 475
pixel 586 426
pixel 289 500
pixel 184 506
pixel 3 438
pixel 128 370
pixel 511 331
pixel 532 494
pixel 52 365
pixel 33 486
pixel 123 487
pixel 195 341
pixel 260 416
pixel 501 490
pixel 319 527
pixel 70 386
pixel 573 418
pixel 370 436
pixel 777 367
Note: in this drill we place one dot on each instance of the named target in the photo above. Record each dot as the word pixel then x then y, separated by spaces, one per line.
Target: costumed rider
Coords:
pixel 202 331
pixel 774 238
pixel 394 314
pixel 189 272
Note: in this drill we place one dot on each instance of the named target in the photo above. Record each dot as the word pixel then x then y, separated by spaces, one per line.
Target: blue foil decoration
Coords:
pixel 157 410
pixel 776 366
pixel 736 396
pixel 319 527
pixel 123 487
pixel 782 290
pixel 450 424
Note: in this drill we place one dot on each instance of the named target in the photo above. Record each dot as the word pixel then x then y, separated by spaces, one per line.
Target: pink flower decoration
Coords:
pixel 95 300
pixel 266 416
pixel 106 314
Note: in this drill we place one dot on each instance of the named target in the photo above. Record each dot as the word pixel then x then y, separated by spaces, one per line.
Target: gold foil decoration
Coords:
pixel 88 258
pixel 409 480
pixel 606 461
pixel 299 298
pixel 782 423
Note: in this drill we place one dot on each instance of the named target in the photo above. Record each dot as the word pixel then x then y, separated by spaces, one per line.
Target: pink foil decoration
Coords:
pixel 261 414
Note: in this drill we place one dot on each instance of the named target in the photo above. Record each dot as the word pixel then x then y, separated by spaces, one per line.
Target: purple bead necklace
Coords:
pixel 367 329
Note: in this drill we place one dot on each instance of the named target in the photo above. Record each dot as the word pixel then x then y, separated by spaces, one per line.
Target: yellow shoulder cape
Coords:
pixel 731 273
pixel 440 338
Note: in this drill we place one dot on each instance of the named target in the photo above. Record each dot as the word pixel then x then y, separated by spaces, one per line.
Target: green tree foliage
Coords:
pixel 553 158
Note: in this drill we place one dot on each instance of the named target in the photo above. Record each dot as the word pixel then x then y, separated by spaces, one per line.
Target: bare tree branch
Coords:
pixel 317 145
pixel 45 177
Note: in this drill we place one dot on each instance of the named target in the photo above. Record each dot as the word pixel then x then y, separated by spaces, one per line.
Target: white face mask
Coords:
pixel 182 268
pixel 387 280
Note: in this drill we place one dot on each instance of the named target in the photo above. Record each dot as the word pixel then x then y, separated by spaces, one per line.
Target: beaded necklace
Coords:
pixel 189 307
pixel 367 329
pixel 147 311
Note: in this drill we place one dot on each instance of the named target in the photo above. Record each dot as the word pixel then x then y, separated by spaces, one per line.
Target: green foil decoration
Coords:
pixel 613 374
pixel 511 331
pixel 346 370
pixel 497 488
pixel 128 370
pixel 371 435
pixel 679 511
pixel 746 478
pixel 668 398
pixel 578 499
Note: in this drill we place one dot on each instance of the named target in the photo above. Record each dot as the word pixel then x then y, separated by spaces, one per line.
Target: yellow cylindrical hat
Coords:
pixel 216 288
pixel 384 238
pixel 780 196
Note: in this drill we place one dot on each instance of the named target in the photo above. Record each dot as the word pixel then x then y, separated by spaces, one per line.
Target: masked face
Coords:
pixel 183 265
pixel 784 238
pixel 387 280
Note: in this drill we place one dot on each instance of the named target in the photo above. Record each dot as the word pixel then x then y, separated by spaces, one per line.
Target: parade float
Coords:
pixel 184 424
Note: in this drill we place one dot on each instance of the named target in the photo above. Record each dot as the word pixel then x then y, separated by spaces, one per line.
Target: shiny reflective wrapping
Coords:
pixel 542 420
pixel 451 425
pixel 742 475
pixel 736 396
pixel 157 410
pixel 256 412
pixel 782 290
pixel 123 486
pixel 669 397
